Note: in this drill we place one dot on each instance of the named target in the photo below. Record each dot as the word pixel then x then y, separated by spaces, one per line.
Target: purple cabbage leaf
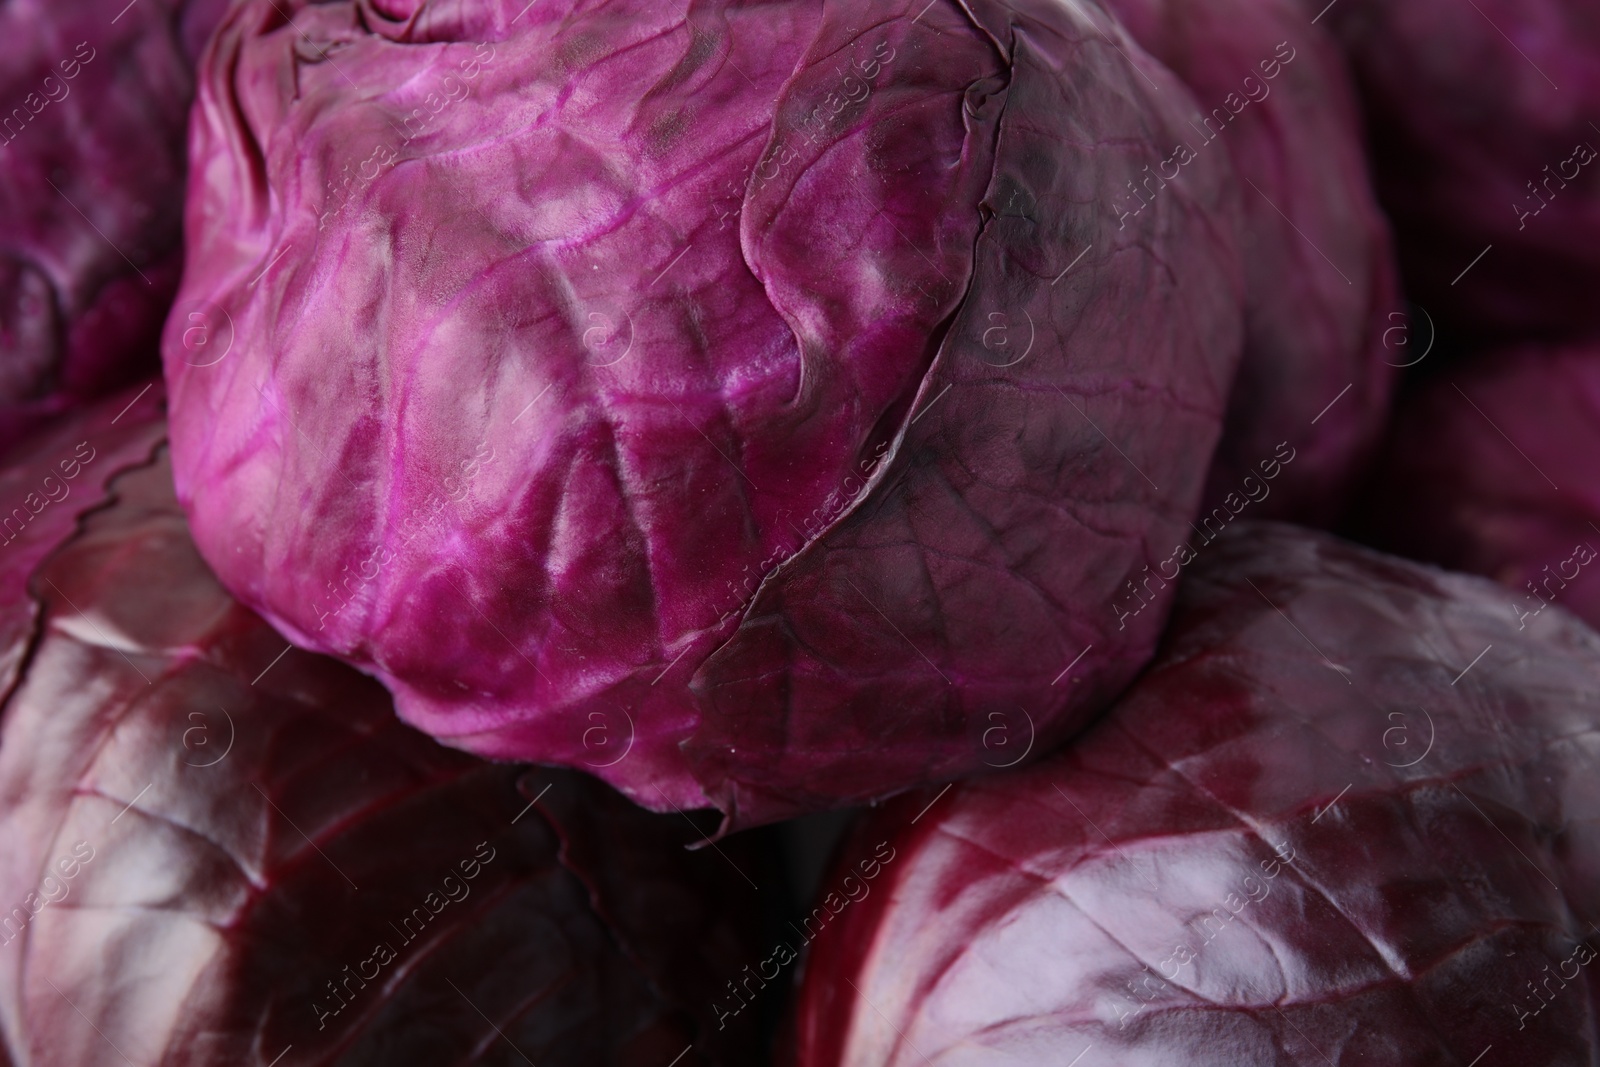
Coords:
pixel 1485 125
pixel 743 405
pixel 1490 469
pixel 1348 816
pixel 218 850
pixel 94 106
pixel 1323 318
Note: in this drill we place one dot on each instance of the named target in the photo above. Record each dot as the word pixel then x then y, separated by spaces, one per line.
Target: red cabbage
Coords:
pixel 216 850
pixel 94 103
pixel 1485 121
pixel 1490 469
pixel 1320 278
pixel 770 392
pixel 1348 816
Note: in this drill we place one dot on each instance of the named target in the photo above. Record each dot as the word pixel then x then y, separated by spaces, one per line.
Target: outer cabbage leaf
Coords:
pixel 1485 123
pixel 766 390
pixel 218 850
pixel 1491 470
pixel 93 108
pixel 1348 817
pixel 1321 283
pixel 50 480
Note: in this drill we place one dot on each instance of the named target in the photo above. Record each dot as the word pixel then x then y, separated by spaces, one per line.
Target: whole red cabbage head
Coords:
pixel 94 103
pixel 217 850
pixel 749 403
pixel 1348 816
pixel 1322 295
pixel 1491 469
pixel 1485 123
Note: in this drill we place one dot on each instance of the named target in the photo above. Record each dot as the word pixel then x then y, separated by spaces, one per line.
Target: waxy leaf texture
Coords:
pixel 1321 283
pixel 744 404
pixel 1349 816
pixel 218 850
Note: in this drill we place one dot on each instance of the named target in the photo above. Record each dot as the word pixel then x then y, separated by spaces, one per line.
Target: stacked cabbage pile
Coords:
pixel 594 440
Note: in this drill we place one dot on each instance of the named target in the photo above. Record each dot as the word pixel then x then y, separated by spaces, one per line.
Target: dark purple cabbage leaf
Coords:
pixel 1349 816
pixel 769 392
pixel 1485 125
pixel 217 850
pixel 1491 470
pixel 94 106
pixel 1321 283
